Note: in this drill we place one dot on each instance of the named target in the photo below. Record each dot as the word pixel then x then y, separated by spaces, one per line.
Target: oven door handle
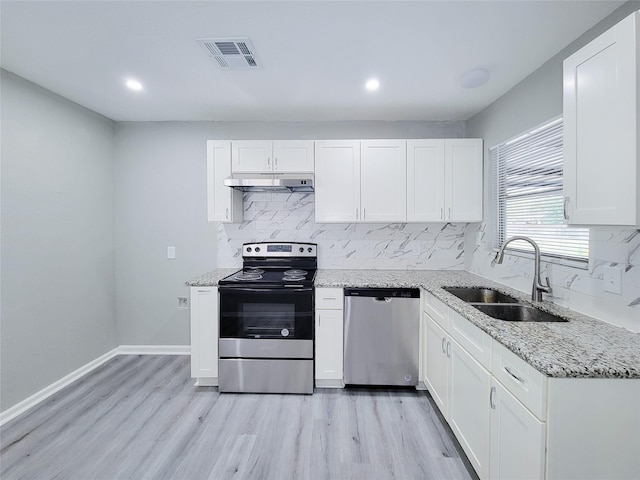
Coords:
pixel 265 290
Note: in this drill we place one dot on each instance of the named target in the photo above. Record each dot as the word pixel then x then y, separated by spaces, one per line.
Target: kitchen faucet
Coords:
pixel 538 287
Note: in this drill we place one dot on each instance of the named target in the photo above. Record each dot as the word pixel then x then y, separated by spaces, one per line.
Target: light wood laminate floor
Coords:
pixel 140 417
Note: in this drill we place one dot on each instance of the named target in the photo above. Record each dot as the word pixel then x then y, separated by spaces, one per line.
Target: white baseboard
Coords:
pixel 36 398
pixel 329 383
pixel 206 382
pixel 154 350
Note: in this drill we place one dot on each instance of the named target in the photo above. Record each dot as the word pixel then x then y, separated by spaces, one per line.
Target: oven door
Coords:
pixel 276 313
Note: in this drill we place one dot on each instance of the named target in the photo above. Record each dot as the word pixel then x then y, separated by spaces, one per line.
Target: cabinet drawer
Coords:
pixel 329 298
pixel 471 338
pixel 522 380
pixel 437 310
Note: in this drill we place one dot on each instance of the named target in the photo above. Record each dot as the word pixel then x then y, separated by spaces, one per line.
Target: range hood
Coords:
pixel 271 182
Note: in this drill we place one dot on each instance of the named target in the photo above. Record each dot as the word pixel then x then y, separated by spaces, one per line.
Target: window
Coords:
pixel 527 190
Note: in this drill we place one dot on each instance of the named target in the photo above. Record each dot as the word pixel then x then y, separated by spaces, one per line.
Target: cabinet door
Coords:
pixel 469 407
pixel 224 204
pixel 600 109
pixel 463 174
pixel 437 364
pixel 251 156
pixel 337 181
pixel 204 333
pixel 425 181
pixel 517 438
pixel 292 156
pixel 328 344
pixel 383 181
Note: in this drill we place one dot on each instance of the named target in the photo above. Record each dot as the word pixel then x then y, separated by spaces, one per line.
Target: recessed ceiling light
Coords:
pixel 134 85
pixel 474 78
pixel 372 84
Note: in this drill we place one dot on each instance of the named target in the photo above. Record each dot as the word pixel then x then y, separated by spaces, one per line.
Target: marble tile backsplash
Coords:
pixel 581 289
pixel 290 217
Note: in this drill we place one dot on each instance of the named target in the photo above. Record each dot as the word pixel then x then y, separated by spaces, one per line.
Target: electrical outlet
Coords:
pixel 183 302
pixel 613 279
pixel 171 252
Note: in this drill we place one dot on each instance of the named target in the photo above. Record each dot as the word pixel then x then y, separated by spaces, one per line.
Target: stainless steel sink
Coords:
pixel 501 306
pixel 518 313
pixel 480 295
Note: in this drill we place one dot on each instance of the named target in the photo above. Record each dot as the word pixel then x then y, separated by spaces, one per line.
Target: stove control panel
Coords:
pixel 279 249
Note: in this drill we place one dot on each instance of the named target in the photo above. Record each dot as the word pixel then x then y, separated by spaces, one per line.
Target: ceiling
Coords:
pixel 315 56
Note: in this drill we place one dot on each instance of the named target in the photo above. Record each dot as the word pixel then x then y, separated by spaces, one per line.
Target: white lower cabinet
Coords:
pixel 437 364
pixel 517 438
pixel 459 378
pixel 468 407
pixel 204 335
pixel 328 338
pixel 514 422
pixel 329 334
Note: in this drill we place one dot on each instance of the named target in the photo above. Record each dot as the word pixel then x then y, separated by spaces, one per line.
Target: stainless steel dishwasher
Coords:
pixel 381 333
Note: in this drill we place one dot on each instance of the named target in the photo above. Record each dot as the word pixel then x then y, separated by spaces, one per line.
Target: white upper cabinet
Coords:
pixel 601 134
pixel 397 181
pixel 463 179
pixel 224 204
pixel 337 181
pixel 425 180
pixel 444 180
pixel 383 181
pixel 293 156
pixel 278 156
pixel 360 181
pixel 252 156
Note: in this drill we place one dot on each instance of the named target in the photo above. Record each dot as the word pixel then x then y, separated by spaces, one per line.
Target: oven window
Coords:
pixel 266 314
pixel 268 320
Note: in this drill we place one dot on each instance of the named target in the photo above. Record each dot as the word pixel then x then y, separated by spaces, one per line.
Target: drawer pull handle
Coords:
pixel 448 349
pixel 444 343
pixel 508 370
pixel 491 404
pixel 329 298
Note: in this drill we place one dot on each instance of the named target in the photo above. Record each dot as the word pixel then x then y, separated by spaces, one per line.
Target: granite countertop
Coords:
pixel 211 279
pixel 583 347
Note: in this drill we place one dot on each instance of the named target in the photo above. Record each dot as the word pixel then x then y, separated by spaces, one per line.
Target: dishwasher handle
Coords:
pixel 381 294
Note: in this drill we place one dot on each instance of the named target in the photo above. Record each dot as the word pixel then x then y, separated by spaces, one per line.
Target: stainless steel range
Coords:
pixel 267 319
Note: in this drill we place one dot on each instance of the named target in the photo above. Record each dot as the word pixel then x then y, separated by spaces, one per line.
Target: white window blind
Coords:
pixel 527 189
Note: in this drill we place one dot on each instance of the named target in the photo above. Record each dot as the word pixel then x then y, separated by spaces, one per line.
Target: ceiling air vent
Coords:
pixel 231 53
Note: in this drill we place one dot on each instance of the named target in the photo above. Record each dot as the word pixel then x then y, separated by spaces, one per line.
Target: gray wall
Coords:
pixel 538 97
pixel 57 238
pixel 161 202
pixel 535 100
